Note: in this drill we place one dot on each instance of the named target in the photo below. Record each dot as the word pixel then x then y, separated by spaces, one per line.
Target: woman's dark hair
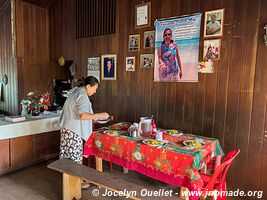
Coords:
pixel 90 80
pixel 164 32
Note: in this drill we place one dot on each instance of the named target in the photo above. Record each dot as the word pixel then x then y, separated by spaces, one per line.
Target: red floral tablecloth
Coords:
pixel 173 164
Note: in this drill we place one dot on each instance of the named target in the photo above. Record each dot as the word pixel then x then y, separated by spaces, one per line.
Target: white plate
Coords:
pixel 159 142
pixel 200 143
pixel 110 132
pixel 102 120
pixel 179 133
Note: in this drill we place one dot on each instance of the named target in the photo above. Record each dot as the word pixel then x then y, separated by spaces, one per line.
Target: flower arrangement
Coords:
pixel 35 101
pixel 38 99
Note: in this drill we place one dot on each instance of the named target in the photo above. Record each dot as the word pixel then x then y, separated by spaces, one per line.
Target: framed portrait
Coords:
pixel 212 49
pixel 130 64
pixel 134 42
pixel 108 67
pixel 149 39
pixel 147 60
pixel 143 15
pixel 93 67
pixel 213 23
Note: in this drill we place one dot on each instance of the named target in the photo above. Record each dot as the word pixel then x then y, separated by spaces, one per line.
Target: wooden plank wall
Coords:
pixel 9 91
pixel 36 68
pixel 229 104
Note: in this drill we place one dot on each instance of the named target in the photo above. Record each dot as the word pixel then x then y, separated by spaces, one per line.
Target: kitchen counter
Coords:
pixel 32 125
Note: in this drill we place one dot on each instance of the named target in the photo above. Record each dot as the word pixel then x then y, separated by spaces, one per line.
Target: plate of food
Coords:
pixel 121 126
pixel 194 143
pixel 102 120
pixel 113 132
pixel 154 143
pixel 173 132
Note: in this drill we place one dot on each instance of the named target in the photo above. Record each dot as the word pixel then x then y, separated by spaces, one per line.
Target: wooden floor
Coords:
pixel 39 182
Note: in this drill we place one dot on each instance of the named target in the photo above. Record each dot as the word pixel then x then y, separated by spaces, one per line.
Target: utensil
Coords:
pixel 162 145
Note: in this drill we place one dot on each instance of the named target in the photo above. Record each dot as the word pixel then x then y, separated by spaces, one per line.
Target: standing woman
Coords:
pixel 170 66
pixel 76 120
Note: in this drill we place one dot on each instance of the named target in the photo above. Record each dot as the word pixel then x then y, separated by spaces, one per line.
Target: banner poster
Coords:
pixel 177 49
pixel 93 67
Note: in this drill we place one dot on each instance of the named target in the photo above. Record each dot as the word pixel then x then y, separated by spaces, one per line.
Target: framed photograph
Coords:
pixel 108 67
pixel 93 67
pixel 212 49
pixel 149 39
pixel 213 23
pixel 147 60
pixel 134 42
pixel 130 64
pixel 143 15
pixel 205 67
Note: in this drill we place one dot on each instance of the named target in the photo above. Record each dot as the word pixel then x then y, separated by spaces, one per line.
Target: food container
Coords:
pixel 159 135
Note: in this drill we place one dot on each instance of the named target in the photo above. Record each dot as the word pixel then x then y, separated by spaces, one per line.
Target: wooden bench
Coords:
pixel 73 173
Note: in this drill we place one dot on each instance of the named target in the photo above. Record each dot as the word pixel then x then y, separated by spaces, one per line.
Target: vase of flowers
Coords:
pixel 37 101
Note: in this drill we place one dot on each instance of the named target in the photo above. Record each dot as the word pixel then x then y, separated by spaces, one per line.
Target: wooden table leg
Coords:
pixel 98 164
pixel 125 170
pixel 71 187
pixel 185 191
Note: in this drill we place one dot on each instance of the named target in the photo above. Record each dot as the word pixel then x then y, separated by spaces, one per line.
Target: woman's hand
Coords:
pixel 180 74
pixel 103 115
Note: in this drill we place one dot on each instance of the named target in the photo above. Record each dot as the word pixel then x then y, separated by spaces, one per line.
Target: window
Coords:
pixel 95 17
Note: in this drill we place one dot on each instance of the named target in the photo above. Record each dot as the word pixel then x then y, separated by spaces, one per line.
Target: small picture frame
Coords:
pixel 134 42
pixel 130 64
pixel 93 67
pixel 212 49
pixel 108 67
pixel 143 15
pixel 213 23
pixel 149 39
pixel 147 60
pixel 206 67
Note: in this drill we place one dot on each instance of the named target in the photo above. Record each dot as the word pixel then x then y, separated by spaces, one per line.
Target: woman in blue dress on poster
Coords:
pixel 170 67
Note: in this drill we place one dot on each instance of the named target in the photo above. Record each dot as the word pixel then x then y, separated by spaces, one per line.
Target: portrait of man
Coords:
pixel 214 23
pixel 108 66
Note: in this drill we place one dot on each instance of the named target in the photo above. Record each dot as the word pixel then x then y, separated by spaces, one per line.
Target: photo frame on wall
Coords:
pixel 149 39
pixel 93 67
pixel 108 67
pixel 147 60
pixel 213 23
pixel 130 64
pixel 143 15
pixel 212 49
pixel 134 42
